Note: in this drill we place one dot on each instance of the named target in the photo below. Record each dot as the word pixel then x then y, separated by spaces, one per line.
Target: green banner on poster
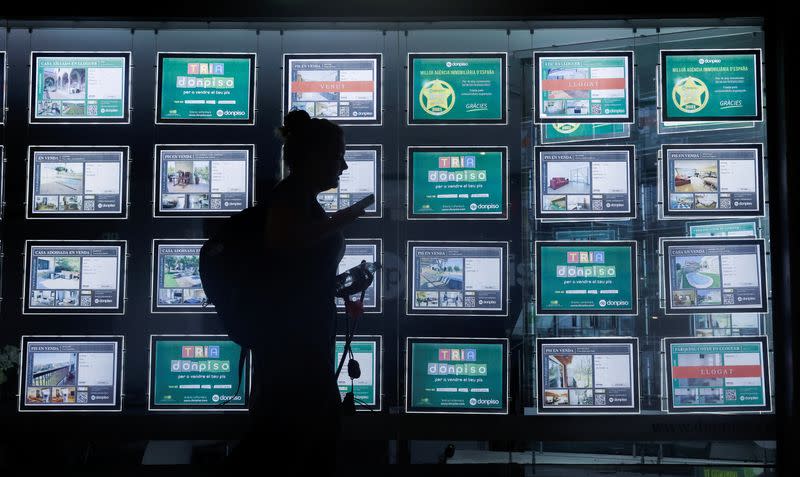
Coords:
pixel 730 229
pixel 364 388
pixel 468 88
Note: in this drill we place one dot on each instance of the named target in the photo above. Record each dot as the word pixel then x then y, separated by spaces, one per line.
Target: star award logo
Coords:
pixel 690 95
pixel 566 128
pixel 437 97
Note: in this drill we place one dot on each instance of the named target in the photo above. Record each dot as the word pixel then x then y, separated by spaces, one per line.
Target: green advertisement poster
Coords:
pixel 196 373
pixel 556 133
pixel 729 229
pixel 718 374
pixel 366 388
pixel 463 88
pixel 75 87
pixel 583 87
pixel 586 278
pixel 711 85
pixel 457 182
pixel 205 88
pixel 467 376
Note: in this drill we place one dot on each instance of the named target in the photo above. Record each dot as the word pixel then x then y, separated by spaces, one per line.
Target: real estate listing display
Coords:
pixel 457 375
pixel 345 88
pixel 355 251
pixel 202 180
pixel 711 85
pixel 558 133
pixel 725 275
pixel 175 279
pixel 458 182
pixel 197 373
pixel 591 182
pixel 362 177
pixel 205 88
pixel 3 67
pixel 80 87
pixel 712 180
pixel 71 373
pixel 718 374
pixel 457 278
pixel 457 88
pixel 588 375
pixel 366 389
pixel 583 87
pixel 74 277
pixel 727 324
pixel 715 228
pixel 77 182
pixel 586 278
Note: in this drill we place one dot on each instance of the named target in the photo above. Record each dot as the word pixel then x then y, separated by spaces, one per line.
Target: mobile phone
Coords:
pixel 365 202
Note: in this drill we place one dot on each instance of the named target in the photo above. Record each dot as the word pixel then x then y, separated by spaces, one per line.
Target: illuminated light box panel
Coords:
pixel 71 373
pixel 74 277
pixel 363 176
pixel 206 88
pixel 197 373
pixel 175 277
pixel 457 375
pixel 79 87
pixel 587 278
pixel 342 87
pixel 725 275
pixel 454 182
pixel 711 85
pixel 77 182
pixel 367 389
pixel 457 88
pixel 588 375
pixel 209 180
pixel 717 375
pixel 711 181
pixel 457 278
pixel 370 250
pixel 585 182
pixel 583 87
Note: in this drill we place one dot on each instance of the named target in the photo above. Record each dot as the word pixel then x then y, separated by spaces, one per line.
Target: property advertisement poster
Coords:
pixel 457 88
pixel 75 277
pixel 77 182
pixel 714 275
pixel 457 278
pixel 712 180
pixel 591 182
pixel 361 178
pixel 345 88
pixel 711 85
pixel 557 133
pixel 718 374
pixel 449 375
pixel 583 87
pixel 191 373
pixel 71 373
pixel 468 182
pixel 356 251
pixel 203 180
pixel 176 286
pixel 206 88
pixel 588 375
pixel 79 87
pixel 586 278
pixel 366 389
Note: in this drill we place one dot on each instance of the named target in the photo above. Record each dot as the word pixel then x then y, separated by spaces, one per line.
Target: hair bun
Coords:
pixel 296 120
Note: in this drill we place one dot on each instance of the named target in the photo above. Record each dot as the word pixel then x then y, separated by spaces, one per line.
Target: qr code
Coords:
pixel 86 300
pixel 88 205
pixel 91 110
pixel 469 301
pixel 344 111
pixel 216 203
pixel 730 394
pixel 597 204
pixel 727 299
pixel 725 203
pixel 600 399
pixel 597 109
pixel 83 397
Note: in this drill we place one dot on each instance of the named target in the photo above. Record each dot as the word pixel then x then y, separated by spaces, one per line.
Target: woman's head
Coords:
pixel 313 148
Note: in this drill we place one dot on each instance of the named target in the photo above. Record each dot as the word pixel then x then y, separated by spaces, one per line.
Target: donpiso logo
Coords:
pixel 473 401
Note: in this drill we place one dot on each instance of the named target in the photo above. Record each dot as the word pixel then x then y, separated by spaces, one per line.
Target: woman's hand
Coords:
pixel 350 214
